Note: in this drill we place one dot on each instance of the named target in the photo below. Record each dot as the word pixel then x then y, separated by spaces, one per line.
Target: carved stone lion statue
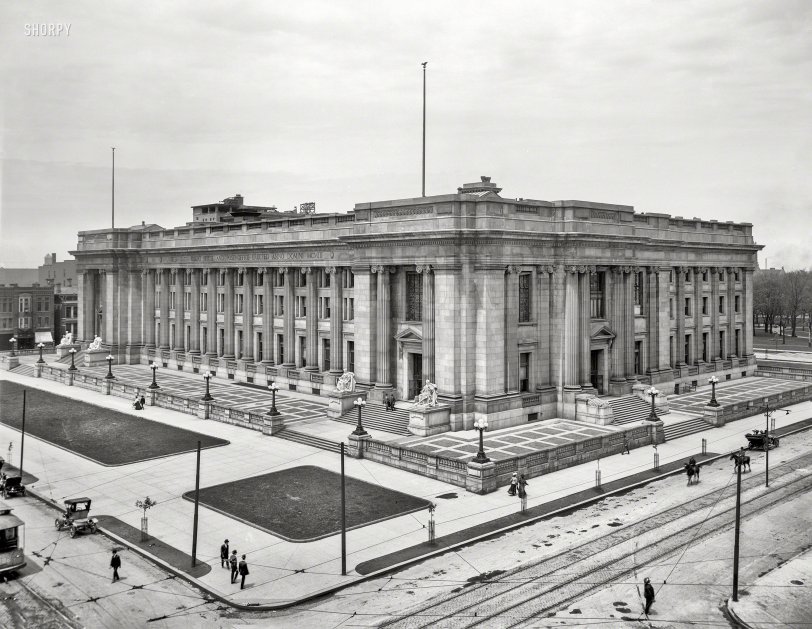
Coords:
pixel 427 396
pixel 96 344
pixel 346 382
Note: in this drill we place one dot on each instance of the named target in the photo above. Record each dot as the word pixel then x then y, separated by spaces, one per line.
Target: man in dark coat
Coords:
pixel 243 571
pixel 115 564
pixel 233 562
pixel 648 592
pixel 522 486
pixel 625 444
pixel 224 555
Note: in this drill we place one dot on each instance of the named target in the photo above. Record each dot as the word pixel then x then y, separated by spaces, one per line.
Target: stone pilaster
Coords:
pixel 164 306
pixel 383 379
pixel 267 315
pixel 336 319
pixel 148 312
pixel 180 289
pixel 85 299
pixel 490 333
pixel 617 316
pixel 194 314
pixel 211 313
pixel 510 346
pixel 115 309
pixel 747 318
pixel 366 288
pixel 699 321
pixel 584 327
pixel 679 315
pixel 289 321
pixel 544 276
pixel 730 310
pixel 228 318
pixel 572 350
pixel 312 320
pixel 628 302
pixel 428 321
pixel 714 313
pixel 248 315
pixel 652 311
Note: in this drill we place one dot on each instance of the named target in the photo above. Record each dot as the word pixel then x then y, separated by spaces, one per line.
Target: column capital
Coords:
pixel 699 269
pixel 102 272
pixel 546 268
pixel 242 270
pixel 653 270
pixel 330 270
pixel 511 269
pixel 424 268
pixel 382 268
pixel 283 269
pixel 145 272
pixel 306 270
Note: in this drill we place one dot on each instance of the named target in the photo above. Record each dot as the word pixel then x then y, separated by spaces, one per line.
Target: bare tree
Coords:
pixel 767 296
pixel 794 289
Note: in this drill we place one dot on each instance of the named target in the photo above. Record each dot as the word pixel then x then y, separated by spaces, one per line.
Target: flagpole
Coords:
pixel 113 206
pixel 424 127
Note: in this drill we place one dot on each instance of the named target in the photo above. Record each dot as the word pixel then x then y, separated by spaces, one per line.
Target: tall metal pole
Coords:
pixel 113 205
pixel 197 501
pixel 767 449
pixel 736 538
pixel 424 128
pixel 343 517
pixel 22 438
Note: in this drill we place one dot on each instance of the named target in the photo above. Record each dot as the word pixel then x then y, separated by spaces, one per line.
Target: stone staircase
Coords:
pixel 376 416
pixel 628 409
pixel 309 440
pixel 65 360
pixel 25 370
pixel 690 427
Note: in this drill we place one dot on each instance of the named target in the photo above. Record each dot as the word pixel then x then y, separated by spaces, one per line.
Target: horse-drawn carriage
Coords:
pixel 77 516
pixel 760 440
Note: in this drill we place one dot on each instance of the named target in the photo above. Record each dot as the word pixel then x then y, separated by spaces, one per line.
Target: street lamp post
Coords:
pixel 712 381
pixel 72 352
pixel 652 417
pixel 13 341
pixel 41 359
pixel 207 397
pixel 481 425
pixel 273 389
pixel 154 367
pixel 359 429
pixel 109 375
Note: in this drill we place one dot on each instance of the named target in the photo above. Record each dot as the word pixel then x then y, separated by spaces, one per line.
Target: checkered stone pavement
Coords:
pixel 232 394
pixel 510 442
pixel 734 392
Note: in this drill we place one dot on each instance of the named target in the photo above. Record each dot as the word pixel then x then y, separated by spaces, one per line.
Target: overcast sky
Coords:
pixel 697 108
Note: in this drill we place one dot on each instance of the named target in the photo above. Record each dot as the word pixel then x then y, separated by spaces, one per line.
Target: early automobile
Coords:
pixel 13 486
pixel 76 517
pixel 760 440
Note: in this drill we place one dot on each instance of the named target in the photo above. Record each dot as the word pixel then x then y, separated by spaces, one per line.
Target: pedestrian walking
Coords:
pixel 648 592
pixel 115 564
pixel 513 482
pixel 522 484
pixel 243 572
pixel 625 444
pixel 224 555
pixel 233 563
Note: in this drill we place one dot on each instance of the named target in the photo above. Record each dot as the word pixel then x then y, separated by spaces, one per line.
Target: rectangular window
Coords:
pixel 187 301
pixel 721 304
pixel 722 345
pixel 414 296
pixel 524 371
pixel 325 354
pixel 671 351
pixel 736 275
pixel 324 307
pixel 258 304
pixel 348 278
pixel 524 297
pixel 240 278
pixel 671 308
pixel 638 367
pixel 721 276
pixel 687 350
pixel 324 279
pixel 638 293
pixel 302 351
pixel 279 305
pixel 260 279
pixel 351 356
pixel 687 306
pixel 221 302
pixel 280 349
pixel 349 309
pixel 301 306
pixel 738 340
pixel 171 300
pixel 705 346
pixel 278 279
pixel 238 305
pixel 301 279
pixel 704 305
pixel 737 303
pixel 704 276
pixel 688 277
pixel 204 302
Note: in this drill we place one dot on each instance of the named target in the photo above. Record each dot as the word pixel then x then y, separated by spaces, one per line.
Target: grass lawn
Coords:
pixel 302 504
pixel 99 434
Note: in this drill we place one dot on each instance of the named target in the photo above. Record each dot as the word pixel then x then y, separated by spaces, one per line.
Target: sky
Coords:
pixel 693 108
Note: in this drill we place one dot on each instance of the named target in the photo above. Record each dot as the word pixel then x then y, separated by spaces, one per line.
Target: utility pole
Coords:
pixel 343 517
pixel 197 502
pixel 738 523
pixel 113 196
pixel 424 128
pixel 22 438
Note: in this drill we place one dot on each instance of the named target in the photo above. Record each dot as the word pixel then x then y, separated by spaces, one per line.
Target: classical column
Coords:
pixel 572 348
pixel 383 378
pixel 86 299
pixel 714 313
pixel 543 355
pixel 194 316
pixel 365 326
pixel 679 314
pixel 228 318
pixel 747 313
pixel 164 306
pixel 336 319
pixel 629 280
pixel 148 315
pixel 585 326
pixel 511 339
pixel 211 313
pixel 428 321
pixel 180 289
pixel 699 321
pixel 653 319
pixel 617 319
pixel 289 321
pixel 248 315
pixel 312 319
pixel 267 315
pixel 730 309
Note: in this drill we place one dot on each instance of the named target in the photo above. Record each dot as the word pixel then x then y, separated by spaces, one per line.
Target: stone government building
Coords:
pixel 513 307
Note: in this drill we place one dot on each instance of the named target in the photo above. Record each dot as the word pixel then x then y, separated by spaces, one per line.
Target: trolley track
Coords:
pixel 521 595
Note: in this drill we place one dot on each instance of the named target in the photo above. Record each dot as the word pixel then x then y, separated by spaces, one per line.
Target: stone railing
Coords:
pixel 803 374
pixel 720 415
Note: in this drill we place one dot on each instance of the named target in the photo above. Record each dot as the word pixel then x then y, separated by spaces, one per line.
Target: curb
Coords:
pixel 733 617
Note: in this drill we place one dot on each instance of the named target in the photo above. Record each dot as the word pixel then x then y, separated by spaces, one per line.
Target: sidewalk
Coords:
pixel 281 571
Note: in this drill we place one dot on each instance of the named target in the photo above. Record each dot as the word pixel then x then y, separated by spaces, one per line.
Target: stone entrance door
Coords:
pixel 596 373
pixel 415 374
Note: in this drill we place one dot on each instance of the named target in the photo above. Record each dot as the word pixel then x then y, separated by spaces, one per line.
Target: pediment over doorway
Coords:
pixel 409 335
pixel 601 333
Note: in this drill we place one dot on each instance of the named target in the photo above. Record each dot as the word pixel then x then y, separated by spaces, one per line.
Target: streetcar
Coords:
pixel 12 536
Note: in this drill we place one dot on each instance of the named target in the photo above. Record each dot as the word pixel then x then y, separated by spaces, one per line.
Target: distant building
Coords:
pixel 61 276
pixel 27 313
pixel 23 277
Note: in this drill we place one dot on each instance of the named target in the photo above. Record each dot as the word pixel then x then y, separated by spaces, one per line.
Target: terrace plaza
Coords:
pixel 517 309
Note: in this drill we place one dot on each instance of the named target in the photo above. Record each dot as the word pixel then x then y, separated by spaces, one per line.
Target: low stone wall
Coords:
pixel 721 415
pixel 801 374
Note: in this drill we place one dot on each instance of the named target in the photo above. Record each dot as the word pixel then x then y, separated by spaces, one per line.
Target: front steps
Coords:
pixel 308 440
pixel 683 429
pixel 376 416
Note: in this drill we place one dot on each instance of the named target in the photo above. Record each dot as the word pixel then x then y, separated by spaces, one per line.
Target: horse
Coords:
pixel 692 470
pixel 740 459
